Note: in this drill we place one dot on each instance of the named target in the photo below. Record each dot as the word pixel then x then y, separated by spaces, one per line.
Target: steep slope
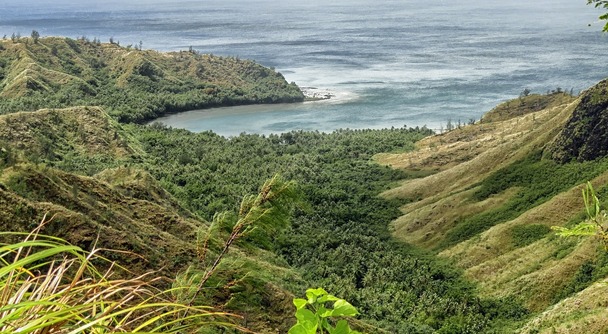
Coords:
pixel 465 156
pixel 582 313
pixel 122 208
pixel 131 84
pixel 491 201
pixel 86 209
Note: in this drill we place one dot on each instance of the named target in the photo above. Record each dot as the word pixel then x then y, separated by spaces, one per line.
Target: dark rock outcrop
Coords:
pixel 585 136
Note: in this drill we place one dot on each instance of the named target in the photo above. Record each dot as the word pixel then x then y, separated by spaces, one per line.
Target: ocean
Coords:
pixel 388 63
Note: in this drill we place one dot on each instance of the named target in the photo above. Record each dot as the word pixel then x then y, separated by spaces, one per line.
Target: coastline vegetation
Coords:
pixel 131 84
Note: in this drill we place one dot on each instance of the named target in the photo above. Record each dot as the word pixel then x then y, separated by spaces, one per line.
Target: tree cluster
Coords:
pixel 342 241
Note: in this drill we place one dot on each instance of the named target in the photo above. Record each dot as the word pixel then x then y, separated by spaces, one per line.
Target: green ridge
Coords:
pixel 132 85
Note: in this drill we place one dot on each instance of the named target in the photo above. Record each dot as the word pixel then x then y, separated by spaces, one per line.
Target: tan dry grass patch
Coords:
pixel 531 272
pixel 582 313
pixel 427 221
pixel 496 240
pixel 508 141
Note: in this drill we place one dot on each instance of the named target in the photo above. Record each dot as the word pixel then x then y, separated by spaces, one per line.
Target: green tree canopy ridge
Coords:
pixel 132 84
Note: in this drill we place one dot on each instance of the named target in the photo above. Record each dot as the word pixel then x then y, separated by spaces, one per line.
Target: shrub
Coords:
pixel 524 235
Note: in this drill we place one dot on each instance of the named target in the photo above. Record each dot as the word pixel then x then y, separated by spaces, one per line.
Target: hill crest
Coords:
pixel 132 85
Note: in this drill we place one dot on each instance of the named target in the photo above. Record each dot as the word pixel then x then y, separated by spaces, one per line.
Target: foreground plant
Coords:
pixel 50 286
pixel 259 216
pixel 601 4
pixel 596 223
pixel 316 313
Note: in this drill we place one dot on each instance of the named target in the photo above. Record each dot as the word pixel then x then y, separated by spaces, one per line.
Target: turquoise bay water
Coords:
pixel 389 63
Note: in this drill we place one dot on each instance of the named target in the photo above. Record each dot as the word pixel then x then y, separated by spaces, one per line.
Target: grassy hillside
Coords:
pixel 489 205
pixel 124 210
pixel 526 105
pixel 131 84
pixel 109 199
